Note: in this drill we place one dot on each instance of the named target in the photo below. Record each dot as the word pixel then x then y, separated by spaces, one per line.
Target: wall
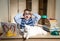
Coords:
pixel 13 9
pixel 58 11
pixel 4 10
pixel 22 5
pixel 51 9
pixel 35 6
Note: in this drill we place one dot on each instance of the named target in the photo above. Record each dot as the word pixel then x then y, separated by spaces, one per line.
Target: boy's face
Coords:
pixel 27 15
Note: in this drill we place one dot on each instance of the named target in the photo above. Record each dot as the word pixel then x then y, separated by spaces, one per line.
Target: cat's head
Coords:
pixel 27 26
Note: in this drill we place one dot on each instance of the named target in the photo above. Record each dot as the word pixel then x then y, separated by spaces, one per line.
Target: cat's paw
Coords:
pixel 25 34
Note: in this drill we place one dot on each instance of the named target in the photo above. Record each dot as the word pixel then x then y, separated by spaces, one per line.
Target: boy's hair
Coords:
pixel 27 10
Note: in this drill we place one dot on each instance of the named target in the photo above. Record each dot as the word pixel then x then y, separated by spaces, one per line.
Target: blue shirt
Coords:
pixel 21 21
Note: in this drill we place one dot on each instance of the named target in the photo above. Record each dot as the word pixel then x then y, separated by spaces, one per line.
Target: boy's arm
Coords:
pixel 36 17
pixel 17 18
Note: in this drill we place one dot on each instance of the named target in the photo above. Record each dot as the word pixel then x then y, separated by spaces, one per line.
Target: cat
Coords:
pixel 30 31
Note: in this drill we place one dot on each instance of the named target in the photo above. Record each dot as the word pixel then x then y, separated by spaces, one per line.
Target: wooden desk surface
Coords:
pixel 37 36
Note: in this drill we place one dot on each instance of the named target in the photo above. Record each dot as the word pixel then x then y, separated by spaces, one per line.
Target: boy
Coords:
pixel 27 18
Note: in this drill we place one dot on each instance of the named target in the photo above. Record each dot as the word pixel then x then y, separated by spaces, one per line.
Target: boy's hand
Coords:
pixel 38 25
pixel 33 16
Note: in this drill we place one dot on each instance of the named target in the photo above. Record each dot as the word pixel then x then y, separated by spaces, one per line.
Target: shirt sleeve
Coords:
pixel 37 17
pixel 17 18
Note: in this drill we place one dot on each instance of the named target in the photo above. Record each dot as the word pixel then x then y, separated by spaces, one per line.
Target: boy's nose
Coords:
pixel 26 16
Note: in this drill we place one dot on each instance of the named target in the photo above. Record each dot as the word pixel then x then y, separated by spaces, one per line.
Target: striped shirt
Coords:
pixel 21 21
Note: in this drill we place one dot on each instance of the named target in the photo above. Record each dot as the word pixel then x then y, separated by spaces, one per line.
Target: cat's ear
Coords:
pixel 25 25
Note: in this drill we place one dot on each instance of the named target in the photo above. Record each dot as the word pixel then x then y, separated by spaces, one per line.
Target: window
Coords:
pixel 29 4
pixel 42 7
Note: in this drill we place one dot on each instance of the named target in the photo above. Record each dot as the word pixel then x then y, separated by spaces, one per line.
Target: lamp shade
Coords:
pixel 54 33
pixel 44 16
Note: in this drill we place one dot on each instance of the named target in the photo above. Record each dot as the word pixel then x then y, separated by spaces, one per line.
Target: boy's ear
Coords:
pixel 33 16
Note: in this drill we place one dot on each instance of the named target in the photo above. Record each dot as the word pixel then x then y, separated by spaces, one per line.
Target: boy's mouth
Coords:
pixel 26 16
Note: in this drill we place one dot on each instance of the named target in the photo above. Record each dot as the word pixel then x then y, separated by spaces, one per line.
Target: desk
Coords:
pixel 34 38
